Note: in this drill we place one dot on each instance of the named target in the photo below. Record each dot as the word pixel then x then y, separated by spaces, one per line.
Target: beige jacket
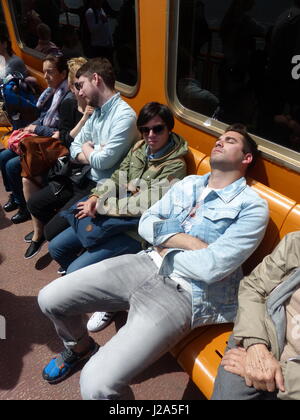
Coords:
pixel 253 325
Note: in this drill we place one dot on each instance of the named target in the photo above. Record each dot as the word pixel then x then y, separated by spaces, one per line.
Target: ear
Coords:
pixel 97 79
pixel 247 159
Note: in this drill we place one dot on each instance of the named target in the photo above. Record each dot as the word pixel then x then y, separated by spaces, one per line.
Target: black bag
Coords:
pixel 67 171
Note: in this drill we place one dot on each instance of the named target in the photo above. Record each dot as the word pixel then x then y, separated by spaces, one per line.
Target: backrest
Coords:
pixel 204 166
pixel 193 159
pixel 292 222
pixel 280 206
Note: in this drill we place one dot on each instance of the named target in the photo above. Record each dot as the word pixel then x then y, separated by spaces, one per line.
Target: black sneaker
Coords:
pixel 22 216
pixel 34 248
pixel 28 237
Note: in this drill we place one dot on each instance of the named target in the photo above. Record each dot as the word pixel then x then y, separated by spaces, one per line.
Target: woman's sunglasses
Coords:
pixel 157 129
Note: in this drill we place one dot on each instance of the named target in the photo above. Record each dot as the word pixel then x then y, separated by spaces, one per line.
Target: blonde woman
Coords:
pixel 42 203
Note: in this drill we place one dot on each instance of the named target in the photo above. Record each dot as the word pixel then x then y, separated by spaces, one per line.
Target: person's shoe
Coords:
pixel 11 205
pixel 28 237
pixel 62 365
pixel 34 248
pixel 22 216
pixel 100 320
pixel 61 271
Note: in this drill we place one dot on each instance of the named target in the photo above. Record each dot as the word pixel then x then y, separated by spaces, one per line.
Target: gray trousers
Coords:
pixel 159 315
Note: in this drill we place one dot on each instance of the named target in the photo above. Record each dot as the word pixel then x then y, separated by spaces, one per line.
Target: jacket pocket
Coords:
pixel 291 373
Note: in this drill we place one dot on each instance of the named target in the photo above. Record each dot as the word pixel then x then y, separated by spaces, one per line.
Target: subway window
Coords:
pixel 239 61
pixel 90 28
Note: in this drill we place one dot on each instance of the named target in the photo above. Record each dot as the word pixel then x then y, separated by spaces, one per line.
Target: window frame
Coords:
pixel 271 151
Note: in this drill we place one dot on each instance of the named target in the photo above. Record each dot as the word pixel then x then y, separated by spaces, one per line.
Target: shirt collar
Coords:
pixel 109 104
pixel 162 152
pixel 231 191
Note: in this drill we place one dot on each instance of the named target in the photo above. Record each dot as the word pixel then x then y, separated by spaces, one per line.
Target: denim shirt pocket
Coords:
pixel 217 220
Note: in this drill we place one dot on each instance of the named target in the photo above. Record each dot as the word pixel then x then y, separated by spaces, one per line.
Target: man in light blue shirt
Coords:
pixel 109 133
pixel 202 231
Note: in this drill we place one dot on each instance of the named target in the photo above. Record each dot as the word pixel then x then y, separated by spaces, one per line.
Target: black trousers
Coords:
pixel 44 205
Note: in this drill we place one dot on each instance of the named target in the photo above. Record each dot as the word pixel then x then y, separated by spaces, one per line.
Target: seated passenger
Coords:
pixel 13 63
pixel 202 230
pixel 152 163
pixel 55 72
pixel 73 113
pixel 102 143
pixel 262 361
pixel 45 45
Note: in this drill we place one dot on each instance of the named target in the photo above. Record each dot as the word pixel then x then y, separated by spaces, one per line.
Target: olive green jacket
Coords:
pixel 140 182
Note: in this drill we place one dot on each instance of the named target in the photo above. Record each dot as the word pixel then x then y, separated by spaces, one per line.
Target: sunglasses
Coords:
pixel 157 129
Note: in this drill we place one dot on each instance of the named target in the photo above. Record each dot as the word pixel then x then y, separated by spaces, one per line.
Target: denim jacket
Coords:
pixel 232 221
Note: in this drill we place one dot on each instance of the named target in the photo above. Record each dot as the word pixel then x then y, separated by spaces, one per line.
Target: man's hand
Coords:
pixel 161 251
pixel 184 241
pixel 262 370
pixel 87 208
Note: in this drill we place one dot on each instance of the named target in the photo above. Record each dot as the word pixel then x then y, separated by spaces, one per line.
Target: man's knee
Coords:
pixel 97 382
pixel 47 300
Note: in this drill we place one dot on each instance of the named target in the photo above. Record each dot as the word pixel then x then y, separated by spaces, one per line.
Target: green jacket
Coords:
pixel 148 179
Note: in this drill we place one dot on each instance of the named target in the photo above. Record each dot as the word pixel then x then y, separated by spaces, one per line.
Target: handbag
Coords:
pixel 94 231
pixel 15 138
pixel 66 169
pixel 39 154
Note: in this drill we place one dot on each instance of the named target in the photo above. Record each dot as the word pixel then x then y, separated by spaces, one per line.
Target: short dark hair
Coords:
pixel 151 110
pixel 101 66
pixel 60 62
pixel 250 145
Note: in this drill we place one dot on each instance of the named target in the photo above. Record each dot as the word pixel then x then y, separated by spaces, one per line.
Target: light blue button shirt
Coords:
pixel 112 129
pixel 232 221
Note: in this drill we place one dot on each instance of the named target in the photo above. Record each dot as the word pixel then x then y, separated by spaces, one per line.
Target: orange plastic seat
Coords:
pixel 204 166
pixel 4 136
pixel 193 160
pixel 292 222
pixel 201 356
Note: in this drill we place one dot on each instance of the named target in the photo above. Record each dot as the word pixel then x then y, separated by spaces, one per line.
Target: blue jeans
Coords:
pixel 65 247
pixel 10 166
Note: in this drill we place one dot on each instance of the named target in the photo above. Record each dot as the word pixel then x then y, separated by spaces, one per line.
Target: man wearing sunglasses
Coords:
pixel 201 232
